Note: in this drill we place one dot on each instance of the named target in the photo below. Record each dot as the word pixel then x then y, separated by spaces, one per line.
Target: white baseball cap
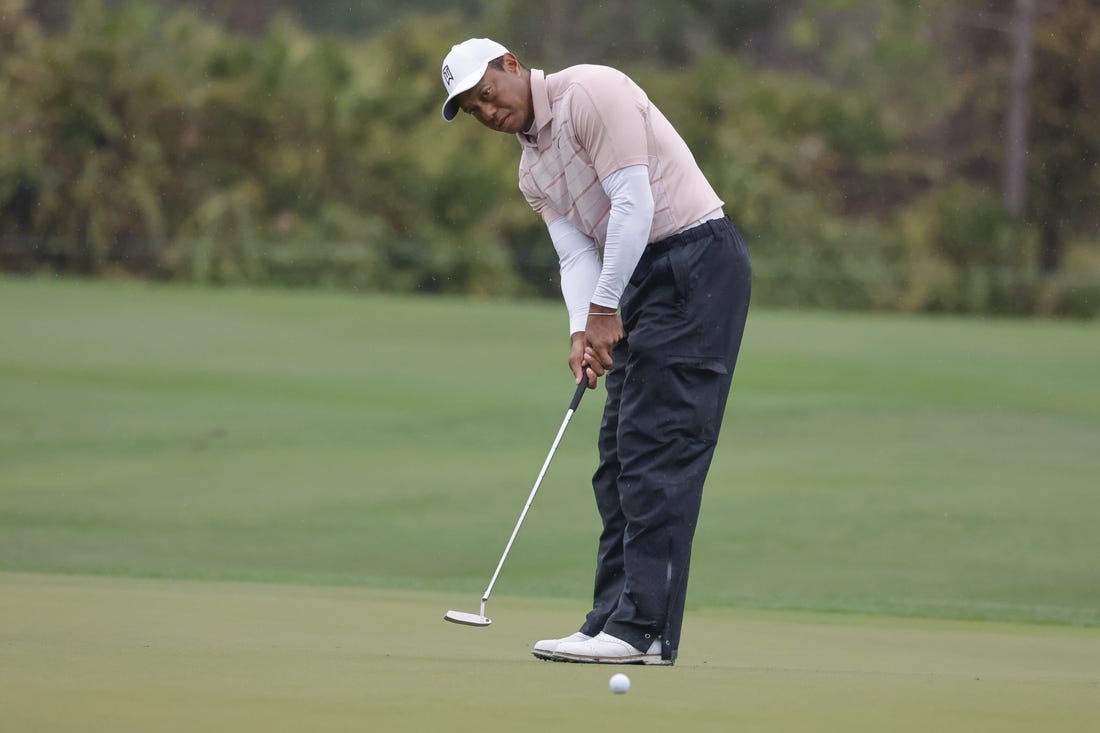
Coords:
pixel 463 68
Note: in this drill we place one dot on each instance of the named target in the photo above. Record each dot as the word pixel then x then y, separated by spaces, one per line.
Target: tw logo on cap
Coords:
pixel 448 77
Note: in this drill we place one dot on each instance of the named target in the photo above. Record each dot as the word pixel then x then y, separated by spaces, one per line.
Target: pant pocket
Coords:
pixel 681 275
pixel 694 397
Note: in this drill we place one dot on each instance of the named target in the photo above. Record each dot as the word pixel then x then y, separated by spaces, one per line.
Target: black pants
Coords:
pixel 684 314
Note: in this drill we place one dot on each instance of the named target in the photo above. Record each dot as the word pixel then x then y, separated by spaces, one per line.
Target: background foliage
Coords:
pixel 860 146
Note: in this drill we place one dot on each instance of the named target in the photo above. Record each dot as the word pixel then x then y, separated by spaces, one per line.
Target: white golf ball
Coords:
pixel 620 683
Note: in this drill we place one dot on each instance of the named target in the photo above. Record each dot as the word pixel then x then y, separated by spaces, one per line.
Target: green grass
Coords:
pixel 366 457
pixel 869 464
pixel 106 654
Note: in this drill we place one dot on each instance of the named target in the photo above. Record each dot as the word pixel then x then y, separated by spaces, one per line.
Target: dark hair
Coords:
pixel 498 63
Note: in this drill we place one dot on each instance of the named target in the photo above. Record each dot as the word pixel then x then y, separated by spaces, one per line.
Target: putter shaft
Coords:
pixel 530 499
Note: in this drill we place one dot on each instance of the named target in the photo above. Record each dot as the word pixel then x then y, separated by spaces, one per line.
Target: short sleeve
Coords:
pixel 613 129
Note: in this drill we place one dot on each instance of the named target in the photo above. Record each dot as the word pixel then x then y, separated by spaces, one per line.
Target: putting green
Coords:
pixel 118 655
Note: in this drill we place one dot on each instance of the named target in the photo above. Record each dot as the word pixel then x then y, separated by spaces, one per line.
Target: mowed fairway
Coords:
pixel 248 510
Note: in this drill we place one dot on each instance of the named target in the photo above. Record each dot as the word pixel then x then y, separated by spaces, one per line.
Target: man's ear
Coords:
pixel 511 63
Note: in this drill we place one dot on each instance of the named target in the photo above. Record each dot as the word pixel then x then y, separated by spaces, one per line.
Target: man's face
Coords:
pixel 502 99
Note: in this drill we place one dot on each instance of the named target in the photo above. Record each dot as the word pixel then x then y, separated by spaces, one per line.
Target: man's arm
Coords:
pixel 627 235
pixel 592 290
pixel 627 231
pixel 579 262
pixel 613 132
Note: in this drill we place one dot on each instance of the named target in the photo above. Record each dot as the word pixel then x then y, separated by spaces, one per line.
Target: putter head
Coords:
pixel 467 619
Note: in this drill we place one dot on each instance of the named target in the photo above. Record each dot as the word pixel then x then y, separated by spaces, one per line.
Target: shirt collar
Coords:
pixel 540 100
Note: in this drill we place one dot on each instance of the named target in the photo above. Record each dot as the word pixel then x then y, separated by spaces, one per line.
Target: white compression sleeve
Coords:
pixel 627 231
pixel 579 261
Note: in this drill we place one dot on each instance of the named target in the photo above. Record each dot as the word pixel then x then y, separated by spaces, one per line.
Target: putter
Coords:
pixel 480 619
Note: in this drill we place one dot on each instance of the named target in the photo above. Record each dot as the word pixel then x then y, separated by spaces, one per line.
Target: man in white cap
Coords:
pixel 656 281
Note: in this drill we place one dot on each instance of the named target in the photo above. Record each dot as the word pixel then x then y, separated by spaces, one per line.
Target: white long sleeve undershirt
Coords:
pixel 579 262
pixel 584 279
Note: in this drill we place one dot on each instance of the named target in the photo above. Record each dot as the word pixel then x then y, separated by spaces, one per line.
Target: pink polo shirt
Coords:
pixel 592 121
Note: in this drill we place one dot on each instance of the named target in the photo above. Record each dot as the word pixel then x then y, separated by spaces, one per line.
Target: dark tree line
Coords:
pixel 936 156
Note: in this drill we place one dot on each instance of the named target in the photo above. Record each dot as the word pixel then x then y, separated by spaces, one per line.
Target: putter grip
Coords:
pixel 580 391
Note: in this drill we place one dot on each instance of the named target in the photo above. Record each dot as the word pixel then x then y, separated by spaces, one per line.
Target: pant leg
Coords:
pixel 684 320
pixel 609 580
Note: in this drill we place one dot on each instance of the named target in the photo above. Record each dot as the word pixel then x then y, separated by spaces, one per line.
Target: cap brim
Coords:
pixel 450 107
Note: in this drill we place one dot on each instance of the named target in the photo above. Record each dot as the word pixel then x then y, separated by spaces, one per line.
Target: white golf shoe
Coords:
pixel 545 648
pixel 607 649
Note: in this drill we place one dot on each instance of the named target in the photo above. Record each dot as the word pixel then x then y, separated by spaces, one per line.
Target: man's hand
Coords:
pixel 603 330
pixel 576 360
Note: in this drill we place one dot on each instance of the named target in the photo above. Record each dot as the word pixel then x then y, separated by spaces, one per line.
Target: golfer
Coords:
pixel 656 283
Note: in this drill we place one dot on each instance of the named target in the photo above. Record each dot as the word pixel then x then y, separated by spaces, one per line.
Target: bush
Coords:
pixel 967 254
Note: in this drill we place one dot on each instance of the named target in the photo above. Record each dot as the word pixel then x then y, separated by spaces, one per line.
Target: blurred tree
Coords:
pixel 1022 29
pixel 560 33
pixel 83 111
pixel 1064 160
pixel 1025 120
